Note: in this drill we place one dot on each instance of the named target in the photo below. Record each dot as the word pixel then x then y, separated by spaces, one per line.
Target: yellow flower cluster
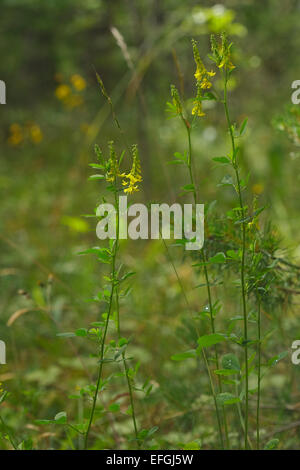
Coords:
pixel 129 180
pixel 203 82
pixel 202 75
pixel 222 52
pixel 1 389
pixel 19 134
pixel 135 175
pixel 197 109
pixel 65 93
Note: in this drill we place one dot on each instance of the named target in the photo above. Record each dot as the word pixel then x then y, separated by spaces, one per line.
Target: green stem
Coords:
pixel 190 168
pixel 241 417
pixel 99 377
pixel 129 384
pixel 239 191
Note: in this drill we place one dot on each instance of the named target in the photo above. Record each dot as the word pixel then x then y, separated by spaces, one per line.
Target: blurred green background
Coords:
pixel 54 115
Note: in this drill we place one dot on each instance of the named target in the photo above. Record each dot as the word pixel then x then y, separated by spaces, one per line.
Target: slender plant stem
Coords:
pixel 190 168
pixel 258 374
pixel 238 405
pixel 102 347
pixel 243 283
pixel 129 383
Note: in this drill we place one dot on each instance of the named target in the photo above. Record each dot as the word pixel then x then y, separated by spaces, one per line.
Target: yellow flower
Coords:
pixel 1 389
pixel 78 82
pixel 226 62
pixel 62 91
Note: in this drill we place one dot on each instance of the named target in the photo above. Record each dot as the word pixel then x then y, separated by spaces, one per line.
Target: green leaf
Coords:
pixel 230 361
pixel 81 332
pixel 209 340
pixel 152 431
pixel 96 177
pixel 226 371
pixel 243 127
pixel 96 166
pixel 3 396
pixel 43 421
pixel 122 342
pixel 188 187
pixel 114 407
pixel 234 255
pixel 26 445
pixel 273 361
pixel 66 335
pixel 61 417
pixel 224 160
pixel 219 258
pixel 193 445
pixel 227 399
pixel 272 444
pixel 183 356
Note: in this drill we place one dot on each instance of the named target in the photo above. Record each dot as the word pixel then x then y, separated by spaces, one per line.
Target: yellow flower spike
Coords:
pixel 135 175
pixel 202 75
pixel 221 52
pixel 197 109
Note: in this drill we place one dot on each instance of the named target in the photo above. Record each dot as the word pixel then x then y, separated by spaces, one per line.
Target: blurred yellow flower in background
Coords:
pixel 35 133
pixel 62 91
pixel 16 136
pixel 78 82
